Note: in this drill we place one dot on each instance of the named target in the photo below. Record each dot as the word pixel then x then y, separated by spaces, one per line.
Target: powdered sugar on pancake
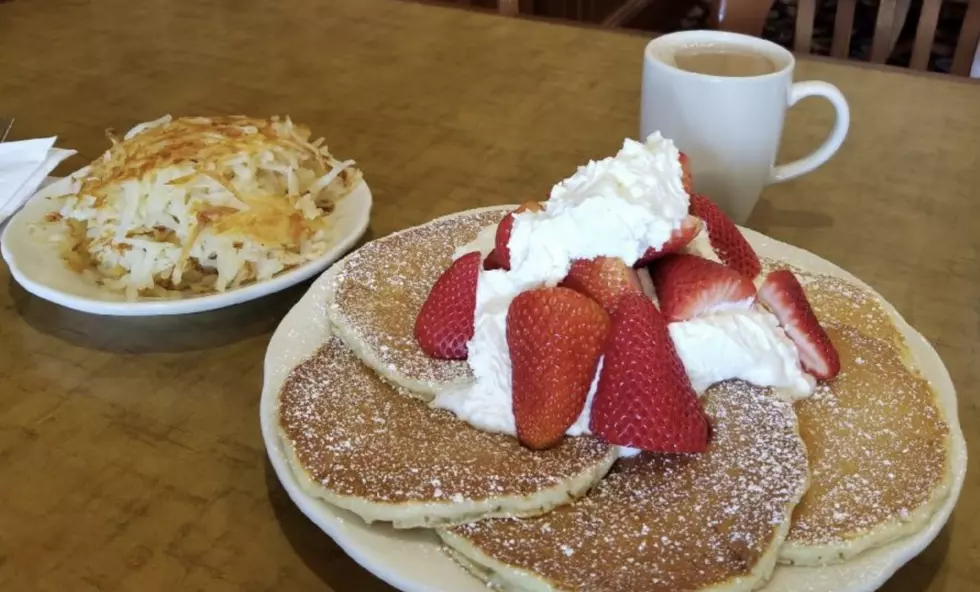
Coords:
pixel 668 522
pixel 877 440
pixel 359 437
pixel 380 288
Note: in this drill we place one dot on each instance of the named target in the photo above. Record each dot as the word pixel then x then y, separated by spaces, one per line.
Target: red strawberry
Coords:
pixel 555 336
pixel 680 238
pixel 445 323
pixel 502 238
pixel 688 285
pixel 686 177
pixel 726 240
pixel 782 293
pixel 603 279
pixel 644 398
pixel 492 261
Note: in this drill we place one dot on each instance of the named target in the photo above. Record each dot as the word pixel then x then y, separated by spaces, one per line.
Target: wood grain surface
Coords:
pixel 130 451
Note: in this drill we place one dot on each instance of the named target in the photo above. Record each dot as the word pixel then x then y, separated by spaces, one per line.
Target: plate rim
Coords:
pixel 361 196
pixel 333 521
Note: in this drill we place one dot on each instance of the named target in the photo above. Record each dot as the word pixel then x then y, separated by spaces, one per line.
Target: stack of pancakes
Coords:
pixel 861 463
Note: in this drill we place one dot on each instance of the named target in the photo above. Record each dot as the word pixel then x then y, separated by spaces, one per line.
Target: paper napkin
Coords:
pixel 24 166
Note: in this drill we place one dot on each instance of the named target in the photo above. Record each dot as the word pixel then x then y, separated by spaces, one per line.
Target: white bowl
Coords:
pixel 35 263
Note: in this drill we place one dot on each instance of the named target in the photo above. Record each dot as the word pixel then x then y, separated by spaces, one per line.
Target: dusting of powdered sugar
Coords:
pixel 380 289
pixel 356 435
pixel 669 522
pixel 877 440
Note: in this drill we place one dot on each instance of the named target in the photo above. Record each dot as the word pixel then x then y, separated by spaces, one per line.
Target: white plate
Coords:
pixel 36 265
pixel 412 561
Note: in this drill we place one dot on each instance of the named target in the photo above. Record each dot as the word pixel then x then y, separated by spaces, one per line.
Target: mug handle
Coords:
pixel 801 90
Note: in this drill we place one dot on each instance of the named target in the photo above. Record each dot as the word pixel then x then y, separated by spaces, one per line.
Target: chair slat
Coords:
pixel 509 7
pixel 880 44
pixel 966 47
pixel 840 47
pixel 925 34
pixel 806 10
pixel 901 15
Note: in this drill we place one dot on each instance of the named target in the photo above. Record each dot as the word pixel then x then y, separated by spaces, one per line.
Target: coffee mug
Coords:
pixel 730 125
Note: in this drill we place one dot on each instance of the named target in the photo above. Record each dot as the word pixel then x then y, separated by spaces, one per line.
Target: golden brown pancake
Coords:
pixel 358 443
pixel 378 291
pixel 662 522
pixel 878 450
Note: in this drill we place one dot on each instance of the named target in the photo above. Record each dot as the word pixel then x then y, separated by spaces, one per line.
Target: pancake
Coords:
pixel 358 443
pixel 835 300
pixel 378 290
pixel 712 521
pixel 878 451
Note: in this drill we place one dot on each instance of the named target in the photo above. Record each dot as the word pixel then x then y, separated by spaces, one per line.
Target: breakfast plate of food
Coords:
pixel 189 214
pixel 544 398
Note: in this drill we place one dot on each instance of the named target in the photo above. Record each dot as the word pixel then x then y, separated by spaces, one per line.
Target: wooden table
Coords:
pixel 130 453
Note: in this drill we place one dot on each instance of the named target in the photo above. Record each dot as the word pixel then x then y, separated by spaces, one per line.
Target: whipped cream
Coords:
pixel 741 343
pixel 616 207
pixel 701 246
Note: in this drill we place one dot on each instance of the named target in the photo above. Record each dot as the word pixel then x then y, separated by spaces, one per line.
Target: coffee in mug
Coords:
pixel 723 60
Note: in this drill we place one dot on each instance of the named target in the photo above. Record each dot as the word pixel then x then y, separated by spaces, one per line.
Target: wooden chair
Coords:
pixel 749 16
pixel 509 7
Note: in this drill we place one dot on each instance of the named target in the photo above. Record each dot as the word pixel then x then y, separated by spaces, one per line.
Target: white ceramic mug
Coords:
pixel 730 126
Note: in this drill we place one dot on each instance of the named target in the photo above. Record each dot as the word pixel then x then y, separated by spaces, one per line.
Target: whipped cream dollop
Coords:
pixel 616 207
pixel 701 246
pixel 744 343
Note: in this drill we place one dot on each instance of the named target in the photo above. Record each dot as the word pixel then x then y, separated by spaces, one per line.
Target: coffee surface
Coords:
pixel 723 61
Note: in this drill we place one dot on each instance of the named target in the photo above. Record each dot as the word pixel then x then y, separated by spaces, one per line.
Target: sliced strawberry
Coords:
pixel 644 398
pixel 686 177
pixel 680 238
pixel 445 323
pixel 688 285
pixel 492 261
pixel 603 279
pixel 726 240
pixel 502 238
pixel 555 337
pixel 782 293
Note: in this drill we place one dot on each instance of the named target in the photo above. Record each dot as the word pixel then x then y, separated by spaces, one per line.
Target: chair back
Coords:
pixel 749 16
